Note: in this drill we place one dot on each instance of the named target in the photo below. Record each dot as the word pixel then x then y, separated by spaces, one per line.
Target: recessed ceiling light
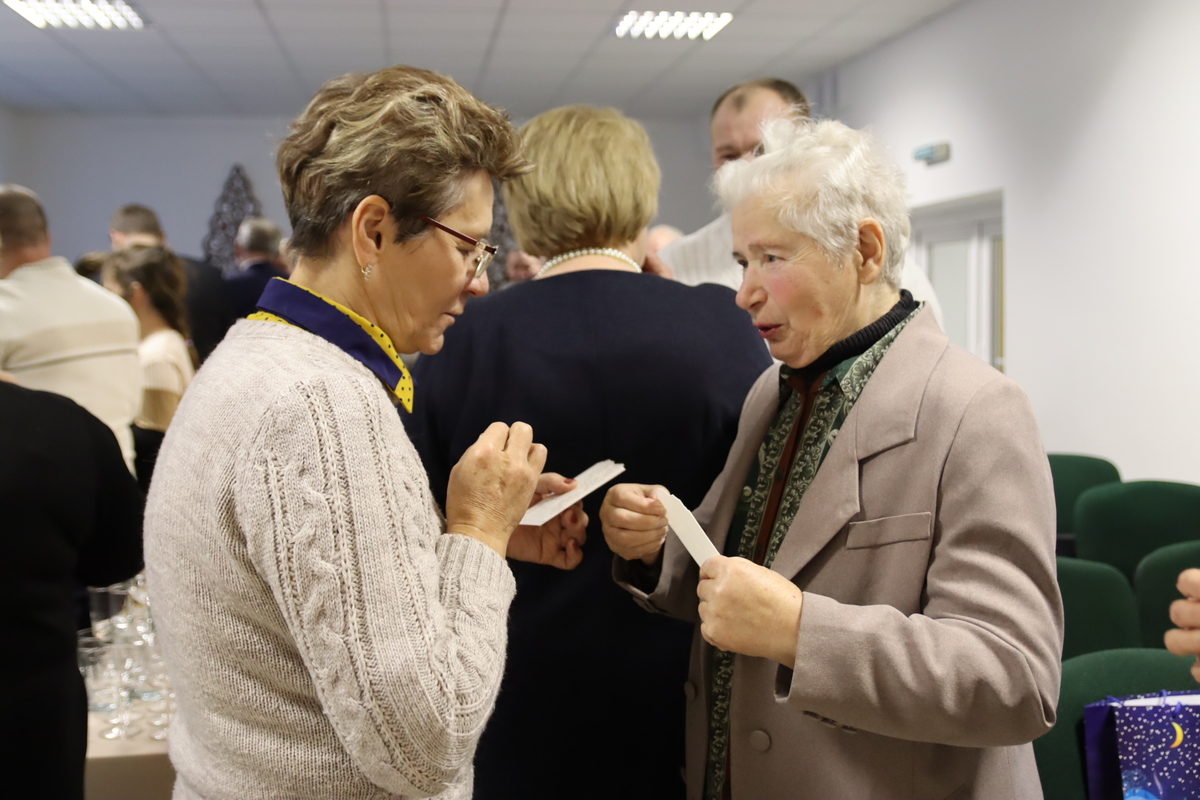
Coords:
pixel 109 15
pixel 668 25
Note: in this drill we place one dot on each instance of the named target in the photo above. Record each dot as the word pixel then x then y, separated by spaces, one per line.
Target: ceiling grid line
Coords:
pixel 491 47
pixel 203 73
pixel 555 98
pixel 102 70
pixel 770 63
pixel 301 84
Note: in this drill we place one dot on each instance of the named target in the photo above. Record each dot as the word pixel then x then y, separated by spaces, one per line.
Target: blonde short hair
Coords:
pixel 594 181
pixel 408 135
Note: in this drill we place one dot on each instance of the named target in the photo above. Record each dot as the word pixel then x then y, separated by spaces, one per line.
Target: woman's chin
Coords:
pixel 431 345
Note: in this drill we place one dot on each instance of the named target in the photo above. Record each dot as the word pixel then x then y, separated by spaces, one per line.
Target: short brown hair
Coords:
pixel 160 272
pixel 786 90
pixel 22 218
pixel 408 135
pixel 594 182
pixel 136 218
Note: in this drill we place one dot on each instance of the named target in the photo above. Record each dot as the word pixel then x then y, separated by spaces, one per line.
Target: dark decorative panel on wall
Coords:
pixel 237 201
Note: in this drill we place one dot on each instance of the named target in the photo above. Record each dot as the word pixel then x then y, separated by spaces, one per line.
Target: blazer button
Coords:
pixel 760 741
pixel 689 691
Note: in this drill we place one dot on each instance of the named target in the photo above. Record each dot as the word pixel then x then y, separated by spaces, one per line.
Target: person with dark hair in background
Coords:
pixel 72 516
pixel 257 250
pixel 88 265
pixel 207 305
pixel 59 332
pixel 153 281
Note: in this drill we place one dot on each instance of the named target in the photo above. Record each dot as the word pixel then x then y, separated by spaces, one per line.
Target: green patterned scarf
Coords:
pixel 839 391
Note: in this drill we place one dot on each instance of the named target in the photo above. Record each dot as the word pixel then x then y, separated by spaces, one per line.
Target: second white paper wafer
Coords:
pixel 590 480
pixel 686 528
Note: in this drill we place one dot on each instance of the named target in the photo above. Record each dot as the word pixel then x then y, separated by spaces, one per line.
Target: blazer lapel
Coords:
pixel 884 416
pixel 716 512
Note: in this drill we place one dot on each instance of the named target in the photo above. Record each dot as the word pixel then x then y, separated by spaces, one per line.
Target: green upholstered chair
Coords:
pixel 1154 587
pixel 1072 475
pixel 1062 764
pixel 1099 610
pixel 1122 523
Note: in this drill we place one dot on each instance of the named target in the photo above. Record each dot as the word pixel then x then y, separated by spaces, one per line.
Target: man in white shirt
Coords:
pixel 705 256
pixel 59 332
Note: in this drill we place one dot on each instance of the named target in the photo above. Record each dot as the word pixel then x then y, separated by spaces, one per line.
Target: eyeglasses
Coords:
pixel 483 251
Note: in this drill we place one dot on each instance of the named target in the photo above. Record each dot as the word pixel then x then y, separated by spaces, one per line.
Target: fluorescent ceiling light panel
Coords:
pixel 672 24
pixel 109 15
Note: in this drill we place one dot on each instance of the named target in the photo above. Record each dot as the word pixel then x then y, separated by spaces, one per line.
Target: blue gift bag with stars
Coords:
pixel 1145 747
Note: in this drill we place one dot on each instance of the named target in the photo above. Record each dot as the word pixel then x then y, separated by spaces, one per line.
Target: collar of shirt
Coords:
pixel 361 339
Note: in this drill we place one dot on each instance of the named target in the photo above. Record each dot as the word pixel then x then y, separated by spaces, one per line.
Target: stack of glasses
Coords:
pixel 122 663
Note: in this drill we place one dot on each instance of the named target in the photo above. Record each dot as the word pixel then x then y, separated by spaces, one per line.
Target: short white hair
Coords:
pixel 823 179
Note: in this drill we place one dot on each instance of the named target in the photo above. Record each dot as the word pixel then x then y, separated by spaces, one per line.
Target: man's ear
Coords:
pixel 872 251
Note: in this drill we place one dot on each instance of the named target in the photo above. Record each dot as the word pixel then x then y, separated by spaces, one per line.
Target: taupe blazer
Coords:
pixel 931 632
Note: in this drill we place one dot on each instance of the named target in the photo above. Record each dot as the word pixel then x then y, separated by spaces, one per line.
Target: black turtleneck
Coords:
pixel 856 343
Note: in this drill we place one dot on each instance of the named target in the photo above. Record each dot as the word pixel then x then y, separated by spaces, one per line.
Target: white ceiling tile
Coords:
pixel 449 22
pixel 830 9
pixel 226 16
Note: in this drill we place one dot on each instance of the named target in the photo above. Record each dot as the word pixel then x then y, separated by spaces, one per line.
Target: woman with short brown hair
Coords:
pixel 328 633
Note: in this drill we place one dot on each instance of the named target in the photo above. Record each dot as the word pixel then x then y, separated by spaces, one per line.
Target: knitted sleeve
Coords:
pixel 402 628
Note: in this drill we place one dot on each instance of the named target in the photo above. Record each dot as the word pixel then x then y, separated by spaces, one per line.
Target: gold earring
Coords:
pixel 366 271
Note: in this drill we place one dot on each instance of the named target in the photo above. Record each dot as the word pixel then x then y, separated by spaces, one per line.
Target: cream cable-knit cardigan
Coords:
pixel 325 638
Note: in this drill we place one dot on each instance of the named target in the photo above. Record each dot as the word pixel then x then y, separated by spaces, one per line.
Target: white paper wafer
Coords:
pixel 686 528
pixel 589 480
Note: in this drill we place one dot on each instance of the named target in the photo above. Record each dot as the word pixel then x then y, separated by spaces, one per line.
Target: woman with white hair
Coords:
pixel 883 619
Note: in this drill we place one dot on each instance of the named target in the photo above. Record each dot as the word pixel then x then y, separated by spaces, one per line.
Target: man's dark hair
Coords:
pixel 22 218
pixel 741 92
pixel 136 218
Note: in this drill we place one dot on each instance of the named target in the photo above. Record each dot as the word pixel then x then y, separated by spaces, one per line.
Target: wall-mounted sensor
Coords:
pixel 933 153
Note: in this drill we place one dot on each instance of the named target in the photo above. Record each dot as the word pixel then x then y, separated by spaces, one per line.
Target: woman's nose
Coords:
pixel 478 287
pixel 749 294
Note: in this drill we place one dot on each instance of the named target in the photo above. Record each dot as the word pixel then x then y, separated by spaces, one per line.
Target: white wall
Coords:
pixel 684 154
pixel 8 143
pixel 85 166
pixel 1081 112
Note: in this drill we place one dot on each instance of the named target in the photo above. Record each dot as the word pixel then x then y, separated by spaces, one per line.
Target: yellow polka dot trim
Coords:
pixel 403 391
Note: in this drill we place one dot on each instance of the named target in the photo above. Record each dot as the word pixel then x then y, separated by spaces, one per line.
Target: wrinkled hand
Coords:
pixel 559 542
pixel 634 522
pixel 1185 640
pixel 491 485
pixel 748 609
pixel 653 265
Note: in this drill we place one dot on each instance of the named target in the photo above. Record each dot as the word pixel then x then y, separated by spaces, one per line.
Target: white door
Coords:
pixel 961 248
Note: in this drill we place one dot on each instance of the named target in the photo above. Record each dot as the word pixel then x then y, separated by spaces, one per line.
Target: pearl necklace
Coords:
pixel 611 252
